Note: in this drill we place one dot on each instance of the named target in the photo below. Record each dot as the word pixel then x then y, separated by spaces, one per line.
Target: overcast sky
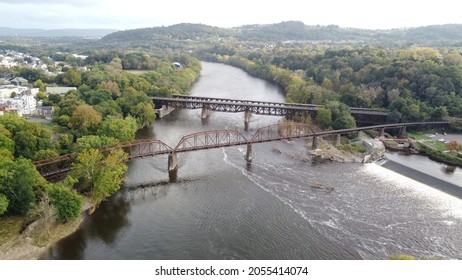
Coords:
pixel 129 14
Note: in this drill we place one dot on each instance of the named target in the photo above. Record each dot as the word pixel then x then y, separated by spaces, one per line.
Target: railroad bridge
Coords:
pixel 213 139
pixel 249 107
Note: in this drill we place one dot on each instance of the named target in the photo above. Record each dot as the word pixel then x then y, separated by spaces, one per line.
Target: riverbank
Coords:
pixel 33 241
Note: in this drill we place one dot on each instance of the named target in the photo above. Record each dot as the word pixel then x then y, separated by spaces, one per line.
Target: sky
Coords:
pixel 130 14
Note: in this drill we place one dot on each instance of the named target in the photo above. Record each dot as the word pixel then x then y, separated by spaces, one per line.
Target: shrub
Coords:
pixel 68 203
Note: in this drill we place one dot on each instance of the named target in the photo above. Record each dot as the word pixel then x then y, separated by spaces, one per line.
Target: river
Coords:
pixel 279 207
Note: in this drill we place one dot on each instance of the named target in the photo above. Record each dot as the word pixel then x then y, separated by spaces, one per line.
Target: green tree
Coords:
pixel 121 129
pixel 18 186
pixel 44 154
pixel 6 143
pixel 88 142
pixel 25 144
pixel 144 113
pixel 324 117
pixel 439 113
pixel 344 121
pixel 102 176
pixel 3 204
pixel 110 176
pixel 68 203
pixel 71 77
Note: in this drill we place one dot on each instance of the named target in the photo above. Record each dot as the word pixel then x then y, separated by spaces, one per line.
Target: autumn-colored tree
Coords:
pixel 85 119
pixel 453 146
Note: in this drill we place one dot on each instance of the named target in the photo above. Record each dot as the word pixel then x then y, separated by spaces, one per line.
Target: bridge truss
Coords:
pixel 210 140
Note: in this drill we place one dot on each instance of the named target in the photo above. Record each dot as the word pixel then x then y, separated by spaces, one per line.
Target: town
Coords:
pixel 17 94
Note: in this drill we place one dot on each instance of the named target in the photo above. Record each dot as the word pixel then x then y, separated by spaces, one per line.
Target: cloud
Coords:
pixel 76 3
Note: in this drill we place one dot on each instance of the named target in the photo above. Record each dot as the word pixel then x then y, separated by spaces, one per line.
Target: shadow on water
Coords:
pixel 104 224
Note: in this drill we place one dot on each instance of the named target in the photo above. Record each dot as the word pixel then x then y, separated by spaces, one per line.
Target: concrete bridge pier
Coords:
pixel 205 111
pixel 382 132
pixel 248 154
pixel 314 146
pixel 337 140
pixel 247 116
pixel 172 167
pixel 402 131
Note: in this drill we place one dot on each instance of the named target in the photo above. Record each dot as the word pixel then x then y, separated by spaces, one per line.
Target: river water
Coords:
pixel 279 207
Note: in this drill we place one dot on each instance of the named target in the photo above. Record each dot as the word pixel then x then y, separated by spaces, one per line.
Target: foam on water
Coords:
pixel 450 205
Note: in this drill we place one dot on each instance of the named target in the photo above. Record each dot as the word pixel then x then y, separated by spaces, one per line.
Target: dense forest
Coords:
pixel 413 83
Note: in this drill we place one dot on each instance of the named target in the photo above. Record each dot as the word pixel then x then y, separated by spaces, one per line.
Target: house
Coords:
pixel 59 90
pixel 5 78
pixel 24 104
pixel 19 81
pixel 44 112
pixel 3 109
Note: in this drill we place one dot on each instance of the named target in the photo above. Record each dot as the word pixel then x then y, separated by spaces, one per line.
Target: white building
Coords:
pixel 24 104
pixel 7 90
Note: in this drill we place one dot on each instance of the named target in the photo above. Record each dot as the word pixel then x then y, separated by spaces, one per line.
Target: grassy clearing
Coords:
pixel 137 72
pixel 418 135
pixel 10 227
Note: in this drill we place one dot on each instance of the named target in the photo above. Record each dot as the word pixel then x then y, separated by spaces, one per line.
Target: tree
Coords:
pixel 324 117
pixel 102 176
pixel 453 146
pixel 18 186
pixel 87 166
pixel 110 177
pixel 344 121
pixel 25 144
pixel 144 113
pixel 439 113
pixel 71 78
pixel 3 204
pixel 6 143
pixel 121 129
pixel 68 203
pixel 88 142
pixel 85 119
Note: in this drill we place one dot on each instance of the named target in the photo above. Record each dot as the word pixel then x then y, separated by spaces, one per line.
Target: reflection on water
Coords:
pixel 104 225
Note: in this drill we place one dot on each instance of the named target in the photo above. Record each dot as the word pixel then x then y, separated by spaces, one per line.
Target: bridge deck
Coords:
pixel 292 105
pixel 256 107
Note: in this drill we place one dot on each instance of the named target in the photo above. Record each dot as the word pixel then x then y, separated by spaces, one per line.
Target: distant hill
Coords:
pixel 295 31
pixel 19 32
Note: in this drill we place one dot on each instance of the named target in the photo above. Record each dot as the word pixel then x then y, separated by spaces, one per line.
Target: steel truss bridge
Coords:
pixel 249 107
pixel 213 139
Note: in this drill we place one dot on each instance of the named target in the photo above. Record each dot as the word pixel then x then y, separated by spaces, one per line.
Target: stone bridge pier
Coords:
pixel 248 154
pixel 314 144
pixel 205 111
pixel 172 167
pixel 247 116
pixel 402 131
